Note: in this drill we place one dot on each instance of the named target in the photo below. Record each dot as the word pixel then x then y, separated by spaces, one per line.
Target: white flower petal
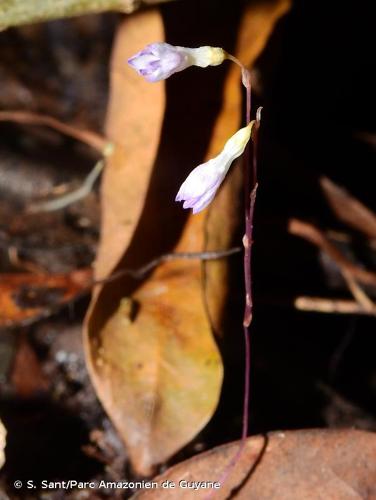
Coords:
pixel 205 200
pixel 204 177
pixel 199 188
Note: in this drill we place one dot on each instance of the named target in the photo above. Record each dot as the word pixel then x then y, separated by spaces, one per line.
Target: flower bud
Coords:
pixel 200 187
pixel 158 61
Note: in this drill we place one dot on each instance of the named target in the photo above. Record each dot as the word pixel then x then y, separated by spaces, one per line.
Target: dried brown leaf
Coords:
pixel 25 298
pixel 304 465
pixel 26 376
pixel 133 125
pixel 314 235
pixel 161 377
pixel 348 209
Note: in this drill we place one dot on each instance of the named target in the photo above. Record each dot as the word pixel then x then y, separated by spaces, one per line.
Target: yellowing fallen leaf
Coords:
pixel 160 367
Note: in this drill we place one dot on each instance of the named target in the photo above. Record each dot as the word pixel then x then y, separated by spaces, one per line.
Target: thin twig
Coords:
pixel 15 261
pixel 71 197
pixel 349 209
pixel 138 273
pixel 331 306
pixel 142 271
pixel 350 272
pixel 92 139
pixel 357 292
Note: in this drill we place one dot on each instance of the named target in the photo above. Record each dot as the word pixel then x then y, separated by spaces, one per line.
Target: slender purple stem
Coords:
pixel 250 189
pixel 247 241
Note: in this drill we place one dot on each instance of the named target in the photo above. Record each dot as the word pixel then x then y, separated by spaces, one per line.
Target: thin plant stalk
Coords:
pixel 250 189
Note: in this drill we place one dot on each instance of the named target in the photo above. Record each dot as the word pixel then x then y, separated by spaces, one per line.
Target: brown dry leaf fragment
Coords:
pixel 162 371
pixel 25 298
pixel 348 209
pixel 314 235
pixel 27 377
pixel 304 465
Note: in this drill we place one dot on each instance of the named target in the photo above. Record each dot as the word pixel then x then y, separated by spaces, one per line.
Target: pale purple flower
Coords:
pixel 160 60
pixel 199 188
